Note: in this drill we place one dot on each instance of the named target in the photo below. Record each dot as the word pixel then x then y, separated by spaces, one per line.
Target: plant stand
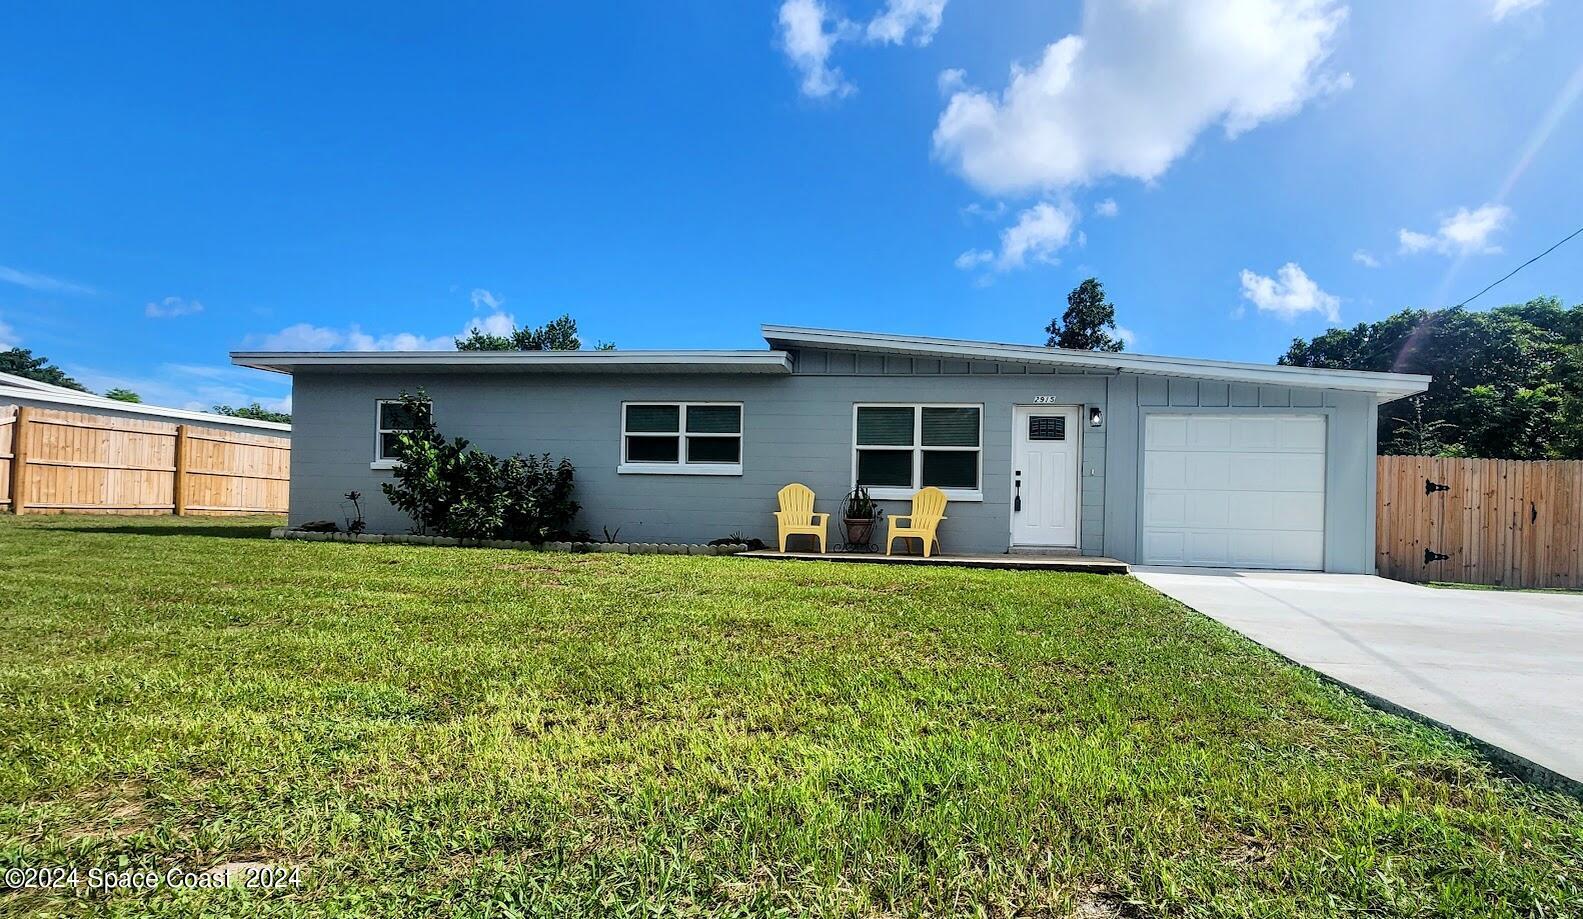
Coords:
pixel 859 534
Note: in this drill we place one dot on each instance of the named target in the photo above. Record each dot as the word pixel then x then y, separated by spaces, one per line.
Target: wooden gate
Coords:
pixel 1509 523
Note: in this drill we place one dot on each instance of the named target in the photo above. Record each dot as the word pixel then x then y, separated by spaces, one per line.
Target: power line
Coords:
pixel 1521 267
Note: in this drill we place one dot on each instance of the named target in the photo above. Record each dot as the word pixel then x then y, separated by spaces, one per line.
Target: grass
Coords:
pixel 1452 585
pixel 432 731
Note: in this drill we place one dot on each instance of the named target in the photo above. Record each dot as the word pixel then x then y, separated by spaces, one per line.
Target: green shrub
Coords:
pixel 450 489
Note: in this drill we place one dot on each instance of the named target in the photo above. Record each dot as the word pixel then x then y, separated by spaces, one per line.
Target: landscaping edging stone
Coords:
pixel 619 548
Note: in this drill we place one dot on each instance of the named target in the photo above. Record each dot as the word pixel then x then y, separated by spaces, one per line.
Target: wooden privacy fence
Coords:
pixel 1510 523
pixel 55 462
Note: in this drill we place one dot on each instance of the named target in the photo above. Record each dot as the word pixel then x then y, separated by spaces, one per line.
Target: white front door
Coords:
pixel 1044 475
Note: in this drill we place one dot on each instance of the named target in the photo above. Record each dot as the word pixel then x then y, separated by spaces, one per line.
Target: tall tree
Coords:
pixel 255 411
pixel 558 334
pixel 21 362
pixel 121 394
pixel 1088 323
pixel 1508 382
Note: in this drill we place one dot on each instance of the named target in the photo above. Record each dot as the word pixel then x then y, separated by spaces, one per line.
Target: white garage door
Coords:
pixel 1234 491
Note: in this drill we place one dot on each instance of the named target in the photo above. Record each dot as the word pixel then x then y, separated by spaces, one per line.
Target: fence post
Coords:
pixel 178 493
pixel 19 433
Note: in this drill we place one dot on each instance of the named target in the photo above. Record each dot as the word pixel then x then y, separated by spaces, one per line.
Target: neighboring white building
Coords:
pixel 15 390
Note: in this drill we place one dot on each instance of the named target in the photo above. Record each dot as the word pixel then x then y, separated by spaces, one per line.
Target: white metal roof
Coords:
pixel 521 361
pixel 1385 386
pixel 74 400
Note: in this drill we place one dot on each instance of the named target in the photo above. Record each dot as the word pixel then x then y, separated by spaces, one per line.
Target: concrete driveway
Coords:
pixel 1503 666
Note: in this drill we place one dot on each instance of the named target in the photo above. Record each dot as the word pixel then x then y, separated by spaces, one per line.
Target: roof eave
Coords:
pixel 521 361
pixel 1386 386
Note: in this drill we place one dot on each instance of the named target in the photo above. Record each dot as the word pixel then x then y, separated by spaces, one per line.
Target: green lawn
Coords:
pixel 1452 585
pixel 477 732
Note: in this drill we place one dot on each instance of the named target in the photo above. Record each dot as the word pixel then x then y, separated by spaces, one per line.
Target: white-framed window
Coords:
pixel 392 417
pixel 681 438
pixel 899 448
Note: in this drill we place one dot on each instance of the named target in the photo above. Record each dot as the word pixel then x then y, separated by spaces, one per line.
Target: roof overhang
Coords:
pixel 518 361
pixel 1385 386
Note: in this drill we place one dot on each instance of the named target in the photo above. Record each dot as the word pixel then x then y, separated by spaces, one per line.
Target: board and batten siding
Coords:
pixel 798 428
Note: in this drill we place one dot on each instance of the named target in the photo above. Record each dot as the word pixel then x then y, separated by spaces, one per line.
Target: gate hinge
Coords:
pixel 1430 487
pixel 1431 555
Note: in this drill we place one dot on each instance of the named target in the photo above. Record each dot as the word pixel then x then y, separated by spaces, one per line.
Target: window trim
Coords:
pixel 681 466
pixel 895 493
pixel 381 461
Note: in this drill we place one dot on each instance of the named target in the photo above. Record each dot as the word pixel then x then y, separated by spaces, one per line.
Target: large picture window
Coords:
pixel 898 449
pixel 688 438
pixel 392 418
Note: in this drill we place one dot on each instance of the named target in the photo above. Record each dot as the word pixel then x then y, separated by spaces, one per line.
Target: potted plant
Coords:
pixel 859 513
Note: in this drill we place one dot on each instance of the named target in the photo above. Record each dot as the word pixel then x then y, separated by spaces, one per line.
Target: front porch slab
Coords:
pixel 1091 564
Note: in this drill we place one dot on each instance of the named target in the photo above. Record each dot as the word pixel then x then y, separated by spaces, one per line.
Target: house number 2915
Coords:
pixel 1043 400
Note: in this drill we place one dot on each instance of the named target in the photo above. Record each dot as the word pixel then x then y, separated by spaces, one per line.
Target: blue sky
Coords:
pixel 177 181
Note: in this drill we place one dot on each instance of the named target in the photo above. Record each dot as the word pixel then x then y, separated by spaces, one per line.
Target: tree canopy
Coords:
pixel 1088 323
pixel 559 334
pixel 1508 382
pixel 21 362
pixel 255 411
pixel 121 394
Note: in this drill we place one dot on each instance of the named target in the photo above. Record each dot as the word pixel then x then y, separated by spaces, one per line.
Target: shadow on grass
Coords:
pixel 239 530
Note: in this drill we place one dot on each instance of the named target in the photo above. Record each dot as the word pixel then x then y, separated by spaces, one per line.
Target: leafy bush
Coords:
pixel 450 489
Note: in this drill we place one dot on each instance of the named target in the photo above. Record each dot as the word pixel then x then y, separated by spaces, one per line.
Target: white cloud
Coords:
pixel 951 80
pixel 973 258
pixel 1289 294
pixel 810 32
pixel 494 324
pixel 484 299
pixel 1463 233
pixel 8 336
pixel 1039 233
pixel 1130 94
pixel 808 44
pixel 41 282
pixel 171 307
pixel 1127 336
pixel 308 337
pixel 1500 9
pixel 1362 257
pixel 901 18
pixel 1107 208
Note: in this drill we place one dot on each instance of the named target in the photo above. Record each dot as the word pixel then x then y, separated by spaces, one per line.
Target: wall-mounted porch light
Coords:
pixel 1095 416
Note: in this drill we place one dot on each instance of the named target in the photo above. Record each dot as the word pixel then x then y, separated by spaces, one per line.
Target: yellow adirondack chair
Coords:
pixel 928 509
pixel 796 516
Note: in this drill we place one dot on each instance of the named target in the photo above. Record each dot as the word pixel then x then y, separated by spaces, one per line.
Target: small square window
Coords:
pixel 393 417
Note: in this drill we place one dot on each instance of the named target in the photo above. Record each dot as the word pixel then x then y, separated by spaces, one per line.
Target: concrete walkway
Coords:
pixel 1503 666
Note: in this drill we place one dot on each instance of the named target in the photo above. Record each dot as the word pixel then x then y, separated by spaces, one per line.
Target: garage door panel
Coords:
pixel 1253 511
pixel 1208 508
pixel 1167 431
pixel 1167 468
pixel 1206 470
pixel 1255 434
pixel 1165 547
pixel 1165 509
pixel 1209 433
pixel 1254 471
pixel 1252 550
pixel 1300 512
pixel 1302 434
pixel 1237 490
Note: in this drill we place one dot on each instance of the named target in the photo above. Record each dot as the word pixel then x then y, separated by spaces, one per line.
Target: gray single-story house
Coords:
pixel 1151 460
